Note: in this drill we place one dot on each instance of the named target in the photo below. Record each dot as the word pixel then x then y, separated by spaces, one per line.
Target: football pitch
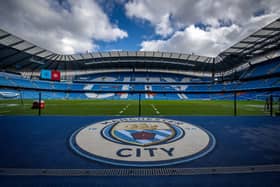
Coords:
pixel 131 107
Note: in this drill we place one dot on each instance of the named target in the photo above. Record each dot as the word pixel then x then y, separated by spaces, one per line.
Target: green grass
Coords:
pixel 122 107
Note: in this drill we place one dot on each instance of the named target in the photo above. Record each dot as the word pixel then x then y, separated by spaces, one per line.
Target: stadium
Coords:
pixel 123 118
pixel 248 71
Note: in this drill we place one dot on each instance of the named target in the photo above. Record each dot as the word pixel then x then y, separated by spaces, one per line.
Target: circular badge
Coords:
pixel 142 142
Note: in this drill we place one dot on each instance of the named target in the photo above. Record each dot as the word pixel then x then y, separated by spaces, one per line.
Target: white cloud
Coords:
pixel 194 40
pixel 226 22
pixel 69 28
pixel 164 26
pixel 68 45
pixel 153 11
pixel 75 25
pixel 186 12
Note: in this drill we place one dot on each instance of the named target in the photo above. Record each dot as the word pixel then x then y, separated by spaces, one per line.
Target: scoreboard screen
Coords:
pixel 53 75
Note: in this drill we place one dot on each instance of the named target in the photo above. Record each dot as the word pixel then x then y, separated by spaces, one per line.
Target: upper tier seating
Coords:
pixel 175 89
pixel 263 69
pixel 16 81
pixel 139 77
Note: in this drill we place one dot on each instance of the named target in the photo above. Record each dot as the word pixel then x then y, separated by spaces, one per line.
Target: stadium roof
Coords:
pixel 18 54
pixel 258 42
pixel 262 41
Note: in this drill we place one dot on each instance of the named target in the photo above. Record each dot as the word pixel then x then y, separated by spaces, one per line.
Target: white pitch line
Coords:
pixel 124 109
pixel 155 109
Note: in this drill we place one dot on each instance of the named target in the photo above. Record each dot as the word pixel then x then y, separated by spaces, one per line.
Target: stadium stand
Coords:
pixel 154 75
pixel 268 68
pixel 11 81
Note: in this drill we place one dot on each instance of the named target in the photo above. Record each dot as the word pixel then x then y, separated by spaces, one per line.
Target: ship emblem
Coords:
pixel 142 133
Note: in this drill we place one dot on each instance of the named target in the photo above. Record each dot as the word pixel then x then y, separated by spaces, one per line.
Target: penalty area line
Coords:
pixel 155 109
pixel 124 109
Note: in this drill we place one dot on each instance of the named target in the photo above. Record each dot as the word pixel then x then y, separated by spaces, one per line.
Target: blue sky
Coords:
pixel 137 30
pixel 203 27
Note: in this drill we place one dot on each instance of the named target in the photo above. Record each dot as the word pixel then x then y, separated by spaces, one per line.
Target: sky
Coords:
pixel 201 27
